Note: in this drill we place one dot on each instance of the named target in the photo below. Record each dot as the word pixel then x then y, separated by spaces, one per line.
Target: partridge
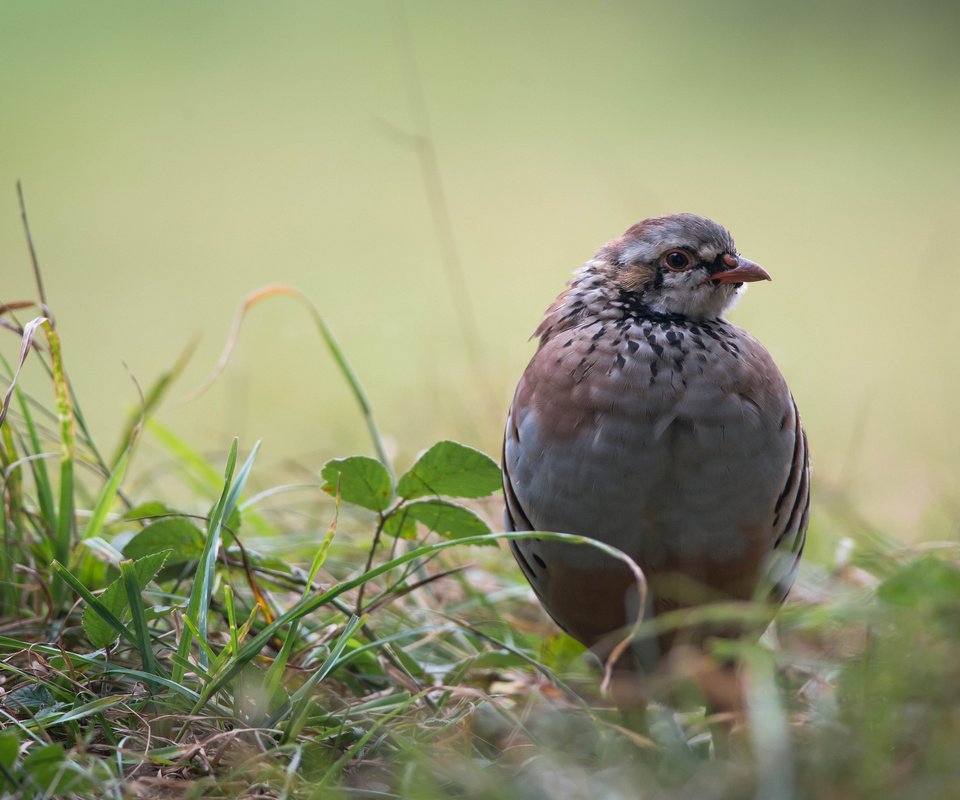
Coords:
pixel 647 421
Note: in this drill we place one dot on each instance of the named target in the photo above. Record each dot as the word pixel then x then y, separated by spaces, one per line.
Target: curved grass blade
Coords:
pixel 26 340
pixel 281 290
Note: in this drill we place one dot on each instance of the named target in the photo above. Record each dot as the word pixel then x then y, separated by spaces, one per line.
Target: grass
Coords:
pixel 203 629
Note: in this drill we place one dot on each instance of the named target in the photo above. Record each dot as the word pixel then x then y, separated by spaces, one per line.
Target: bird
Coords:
pixel 648 422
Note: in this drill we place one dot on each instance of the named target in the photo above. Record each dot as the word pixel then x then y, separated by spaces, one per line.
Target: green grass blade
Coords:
pixel 199 603
pixel 176 687
pixel 87 437
pixel 233 498
pixel 63 694
pixel 203 477
pixel 352 381
pixel 97 706
pixel 64 530
pixel 275 672
pixel 107 495
pixel 12 494
pixel 38 466
pixel 274 675
pixel 202 643
pixel 199 598
pixel 129 574
pixel 231 618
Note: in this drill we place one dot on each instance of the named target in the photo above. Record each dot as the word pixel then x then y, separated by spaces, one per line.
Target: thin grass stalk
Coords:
pixel 155 394
pixel 432 176
pixel 34 261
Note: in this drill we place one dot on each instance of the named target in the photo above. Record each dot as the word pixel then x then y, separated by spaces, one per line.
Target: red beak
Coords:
pixel 743 271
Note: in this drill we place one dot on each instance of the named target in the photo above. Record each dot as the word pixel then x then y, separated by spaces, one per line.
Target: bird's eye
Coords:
pixel 677 259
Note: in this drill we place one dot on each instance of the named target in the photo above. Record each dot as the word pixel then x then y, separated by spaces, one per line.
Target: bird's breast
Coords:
pixel 652 435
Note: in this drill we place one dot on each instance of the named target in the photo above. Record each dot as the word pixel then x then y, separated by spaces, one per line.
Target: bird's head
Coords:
pixel 679 264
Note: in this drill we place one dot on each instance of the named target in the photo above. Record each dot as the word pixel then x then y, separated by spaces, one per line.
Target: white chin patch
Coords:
pixel 696 300
pixel 734 297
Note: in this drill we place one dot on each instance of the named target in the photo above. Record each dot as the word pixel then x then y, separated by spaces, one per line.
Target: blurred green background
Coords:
pixel 177 155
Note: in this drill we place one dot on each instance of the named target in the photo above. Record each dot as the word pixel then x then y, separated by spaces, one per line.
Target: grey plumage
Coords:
pixel 647 421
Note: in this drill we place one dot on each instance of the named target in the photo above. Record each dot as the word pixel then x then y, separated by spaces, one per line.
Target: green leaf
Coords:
pixel 54 773
pixel 401 525
pixel 114 598
pixel 43 765
pixel 151 508
pixel 94 605
pixel 33 696
pixel 363 481
pixel 9 747
pixel 450 520
pixel 9 750
pixel 175 534
pixel 451 469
